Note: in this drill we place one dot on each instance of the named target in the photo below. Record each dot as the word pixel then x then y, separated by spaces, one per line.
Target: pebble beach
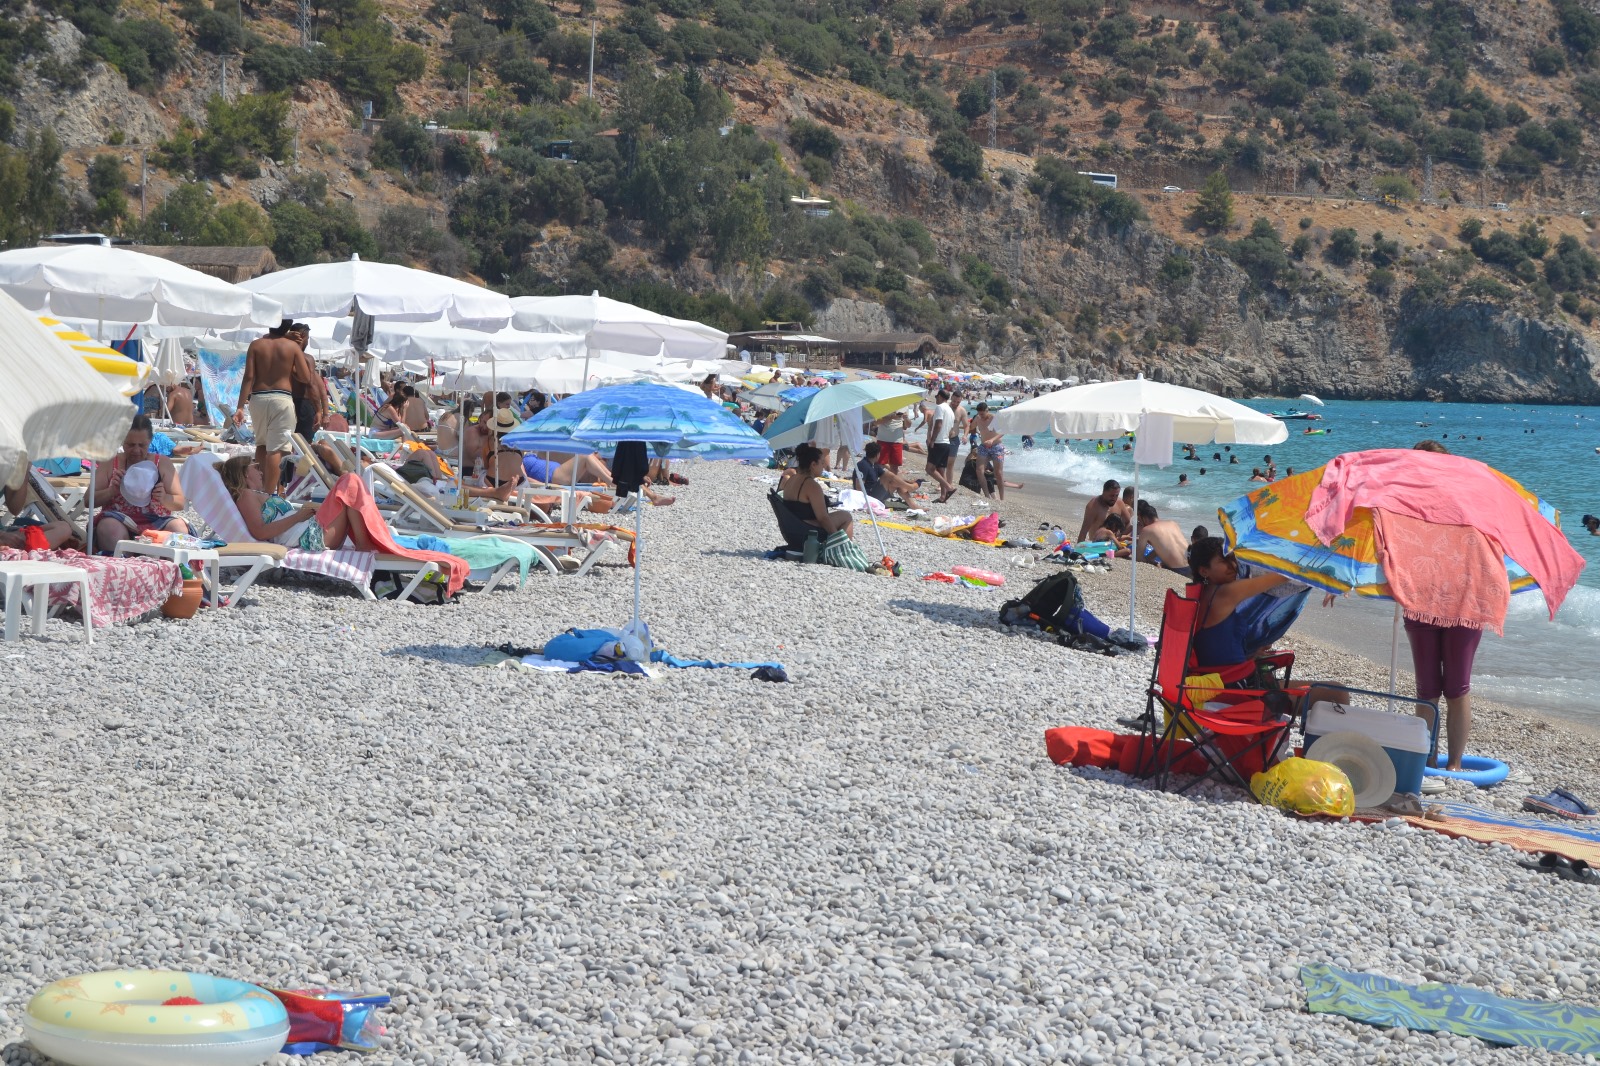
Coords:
pixel 873 863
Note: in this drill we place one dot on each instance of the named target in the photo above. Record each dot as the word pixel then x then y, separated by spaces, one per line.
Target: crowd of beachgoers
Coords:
pixel 872 862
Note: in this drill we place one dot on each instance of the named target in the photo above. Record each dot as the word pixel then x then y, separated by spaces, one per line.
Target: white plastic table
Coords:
pixel 18 577
pixel 212 566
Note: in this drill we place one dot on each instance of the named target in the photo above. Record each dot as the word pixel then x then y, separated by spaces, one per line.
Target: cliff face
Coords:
pixel 1337 341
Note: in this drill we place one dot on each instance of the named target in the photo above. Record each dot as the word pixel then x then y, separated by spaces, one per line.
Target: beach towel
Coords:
pixel 1465 1011
pixel 669 659
pixel 349 491
pixel 1443 575
pixel 481 553
pixel 1525 832
pixel 122 589
pixel 1448 490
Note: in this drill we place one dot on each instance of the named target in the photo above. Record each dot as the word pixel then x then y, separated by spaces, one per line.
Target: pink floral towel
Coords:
pixel 1443 575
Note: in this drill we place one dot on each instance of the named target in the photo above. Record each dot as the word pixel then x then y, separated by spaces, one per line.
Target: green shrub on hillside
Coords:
pixel 959 155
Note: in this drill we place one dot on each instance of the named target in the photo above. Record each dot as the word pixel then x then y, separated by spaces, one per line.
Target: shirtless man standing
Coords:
pixel 1095 511
pixel 273 364
pixel 1170 547
pixel 991 451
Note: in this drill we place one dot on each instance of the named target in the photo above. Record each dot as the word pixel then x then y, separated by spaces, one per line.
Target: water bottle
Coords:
pixel 812 550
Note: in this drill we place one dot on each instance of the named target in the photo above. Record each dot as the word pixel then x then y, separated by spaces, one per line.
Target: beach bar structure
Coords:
pixel 232 265
pixel 885 352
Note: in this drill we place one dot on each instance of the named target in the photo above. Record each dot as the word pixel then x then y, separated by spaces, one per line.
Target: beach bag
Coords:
pixel 1304 786
pixel 1053 604
pixel 582 645
pixel 839 550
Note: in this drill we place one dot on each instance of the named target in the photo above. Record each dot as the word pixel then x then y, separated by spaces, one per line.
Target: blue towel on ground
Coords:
pixel 670 659
pixel 1458 1009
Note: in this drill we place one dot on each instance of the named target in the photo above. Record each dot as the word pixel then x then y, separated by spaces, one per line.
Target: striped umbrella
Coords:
pixel 128 375
pixel 1268 528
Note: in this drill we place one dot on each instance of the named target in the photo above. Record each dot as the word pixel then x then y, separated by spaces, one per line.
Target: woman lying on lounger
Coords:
pixel 275 520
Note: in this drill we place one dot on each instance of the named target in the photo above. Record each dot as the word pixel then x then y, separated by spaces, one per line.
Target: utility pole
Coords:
pixel 144 180
pixel 302 22
pixel 994 109
pixel 593 25
pixel 224 78
pixel 1427 179
pixel 469 88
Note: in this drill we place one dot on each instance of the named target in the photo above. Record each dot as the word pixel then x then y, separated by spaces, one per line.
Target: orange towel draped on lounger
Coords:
pixel 350 491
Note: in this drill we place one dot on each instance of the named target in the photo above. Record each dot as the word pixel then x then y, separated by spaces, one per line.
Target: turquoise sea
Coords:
pixel 1549 666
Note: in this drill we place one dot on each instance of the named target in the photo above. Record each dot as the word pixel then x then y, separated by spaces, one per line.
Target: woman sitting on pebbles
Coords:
pixel 275 520
pixel 802 494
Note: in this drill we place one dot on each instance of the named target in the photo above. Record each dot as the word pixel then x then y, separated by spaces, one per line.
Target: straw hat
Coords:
pixel 504 419
pixel 1363 761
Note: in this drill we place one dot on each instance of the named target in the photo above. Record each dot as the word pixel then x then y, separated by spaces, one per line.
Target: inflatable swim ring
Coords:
pixel 116 1018
pixel 1475 769
pixel 983 577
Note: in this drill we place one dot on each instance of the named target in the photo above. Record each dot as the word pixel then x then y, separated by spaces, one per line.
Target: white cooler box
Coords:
pixel 1403 736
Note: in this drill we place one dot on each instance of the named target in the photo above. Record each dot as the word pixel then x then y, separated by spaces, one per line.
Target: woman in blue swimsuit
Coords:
pixel 1220 638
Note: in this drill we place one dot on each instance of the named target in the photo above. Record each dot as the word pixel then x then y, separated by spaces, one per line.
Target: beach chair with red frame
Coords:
pixel 1239 731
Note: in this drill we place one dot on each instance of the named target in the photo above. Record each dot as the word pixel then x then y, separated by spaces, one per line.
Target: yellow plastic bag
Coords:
pixel 1304 786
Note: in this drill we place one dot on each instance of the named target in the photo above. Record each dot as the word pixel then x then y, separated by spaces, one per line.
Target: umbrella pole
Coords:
pixel 461 446
pixel 88 525
pixel 638 553
pixel 1133 569
pixel 855 477
pixel 1394 650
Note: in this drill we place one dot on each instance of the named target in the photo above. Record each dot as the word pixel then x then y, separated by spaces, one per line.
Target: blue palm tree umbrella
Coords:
pixel 673 423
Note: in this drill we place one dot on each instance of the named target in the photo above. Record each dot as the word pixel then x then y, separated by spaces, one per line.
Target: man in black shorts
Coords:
pixel 940 426
pixel 309 409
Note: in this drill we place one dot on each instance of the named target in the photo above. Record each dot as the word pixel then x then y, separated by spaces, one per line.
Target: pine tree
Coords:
pixel 1213 210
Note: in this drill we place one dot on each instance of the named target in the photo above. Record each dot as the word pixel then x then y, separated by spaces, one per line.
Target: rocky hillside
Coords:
pixel 1355 197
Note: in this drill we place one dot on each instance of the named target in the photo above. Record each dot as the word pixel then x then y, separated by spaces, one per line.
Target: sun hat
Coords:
pixel 504 419
pixel 1363 761
pixel 138 482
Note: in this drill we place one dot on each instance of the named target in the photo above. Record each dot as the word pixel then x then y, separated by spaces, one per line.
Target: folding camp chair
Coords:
pixel 1234 732
pixel 793 528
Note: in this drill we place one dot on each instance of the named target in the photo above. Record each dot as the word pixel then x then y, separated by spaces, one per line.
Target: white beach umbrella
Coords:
pixel 1112 408
pixel 440 340
pixel 52 402
pixel 565 377
pixel 611 325
pixel 96 283
pixel 387 292
pixel 167 362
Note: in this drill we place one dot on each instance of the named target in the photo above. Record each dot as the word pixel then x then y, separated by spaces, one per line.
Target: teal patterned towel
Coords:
pixel 1452 1008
